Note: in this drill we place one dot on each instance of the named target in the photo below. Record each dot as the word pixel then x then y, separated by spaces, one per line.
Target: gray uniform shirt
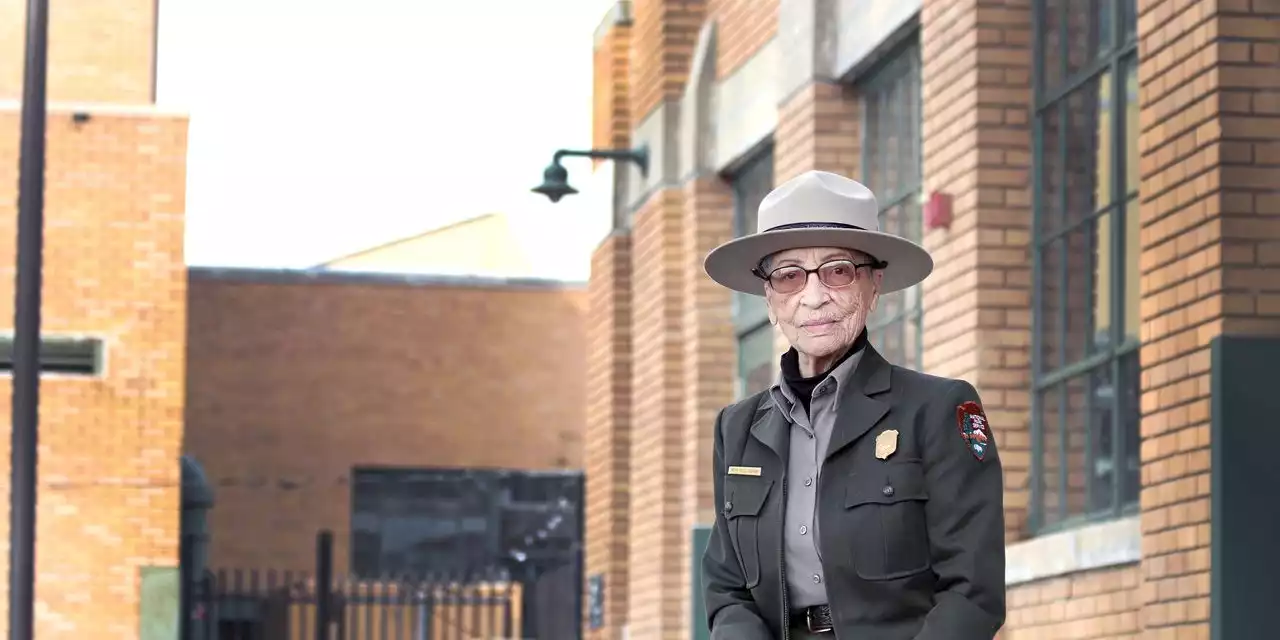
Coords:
pixel 809 437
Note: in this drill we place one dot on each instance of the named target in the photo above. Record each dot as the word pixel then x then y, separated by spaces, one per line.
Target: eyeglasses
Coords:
pixel 834 274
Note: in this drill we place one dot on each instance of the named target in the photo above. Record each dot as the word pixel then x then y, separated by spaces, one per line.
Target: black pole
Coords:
pixel 26 338
pixel 324 584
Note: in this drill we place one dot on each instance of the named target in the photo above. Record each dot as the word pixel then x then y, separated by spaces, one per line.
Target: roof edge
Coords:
pixel 324 276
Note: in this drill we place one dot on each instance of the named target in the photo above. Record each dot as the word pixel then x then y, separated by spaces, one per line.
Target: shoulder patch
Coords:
pixel 974 428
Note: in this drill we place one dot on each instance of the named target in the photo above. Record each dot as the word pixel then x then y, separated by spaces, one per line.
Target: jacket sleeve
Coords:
pixel 732 614
pixel 965 514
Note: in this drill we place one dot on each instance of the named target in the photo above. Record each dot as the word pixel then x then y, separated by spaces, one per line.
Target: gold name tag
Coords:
pixel 744 471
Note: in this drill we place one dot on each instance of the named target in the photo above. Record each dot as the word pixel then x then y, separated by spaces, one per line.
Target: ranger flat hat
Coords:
pixel 818 209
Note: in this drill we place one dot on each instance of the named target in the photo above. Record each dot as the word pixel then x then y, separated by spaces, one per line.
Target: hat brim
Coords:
pixel 730 264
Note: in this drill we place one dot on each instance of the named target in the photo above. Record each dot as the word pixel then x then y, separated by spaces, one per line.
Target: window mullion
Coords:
pixel 1119 271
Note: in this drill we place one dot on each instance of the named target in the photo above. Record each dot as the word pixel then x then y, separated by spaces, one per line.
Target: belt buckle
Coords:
pixel 814 626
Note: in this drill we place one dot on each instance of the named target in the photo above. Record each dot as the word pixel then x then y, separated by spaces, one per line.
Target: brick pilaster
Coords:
pixel 611 97
pixel 656 530
pixel 818 129
pixel 103 52
pixel 662 41
pixel 1210 265
pixel 607 443
pixel 976 142
pixel 709 350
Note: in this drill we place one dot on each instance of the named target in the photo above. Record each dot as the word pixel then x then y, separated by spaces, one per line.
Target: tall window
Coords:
pixel 1085 433
pixel 891 168
pixel 756 364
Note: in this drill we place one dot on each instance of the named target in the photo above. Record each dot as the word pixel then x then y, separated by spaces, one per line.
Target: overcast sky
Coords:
pixel 319 127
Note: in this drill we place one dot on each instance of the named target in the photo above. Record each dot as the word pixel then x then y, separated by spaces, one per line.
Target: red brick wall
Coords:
pixel 293 382
pixel 99 51
pixel 109 446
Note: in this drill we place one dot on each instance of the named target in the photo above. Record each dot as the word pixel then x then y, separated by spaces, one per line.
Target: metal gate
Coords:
pixel 270 605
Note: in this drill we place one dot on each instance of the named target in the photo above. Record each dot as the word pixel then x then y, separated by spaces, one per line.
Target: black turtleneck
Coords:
pixel 803 387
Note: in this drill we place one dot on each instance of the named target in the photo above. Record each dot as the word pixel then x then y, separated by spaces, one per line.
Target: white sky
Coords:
pixel 320 127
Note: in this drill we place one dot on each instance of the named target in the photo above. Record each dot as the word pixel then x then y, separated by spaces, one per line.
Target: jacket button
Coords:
pixel 728 505
pixel 887 491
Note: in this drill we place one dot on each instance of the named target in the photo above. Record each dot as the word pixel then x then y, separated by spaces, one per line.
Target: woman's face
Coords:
pixel 820 321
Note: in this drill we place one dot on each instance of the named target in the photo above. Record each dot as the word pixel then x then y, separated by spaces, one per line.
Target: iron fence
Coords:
pixel 271 605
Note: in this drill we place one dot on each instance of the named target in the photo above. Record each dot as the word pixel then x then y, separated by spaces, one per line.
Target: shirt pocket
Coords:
pixel 890 535
pixel 744 500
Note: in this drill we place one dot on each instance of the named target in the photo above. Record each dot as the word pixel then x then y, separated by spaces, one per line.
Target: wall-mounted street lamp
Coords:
pixel 555 180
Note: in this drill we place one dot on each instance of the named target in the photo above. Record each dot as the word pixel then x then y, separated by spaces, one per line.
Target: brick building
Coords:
pixel 316 395
pixel 114 321
pixel 1109 170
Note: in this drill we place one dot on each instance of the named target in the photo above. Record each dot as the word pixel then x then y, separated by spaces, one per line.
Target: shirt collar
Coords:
pixel 838 376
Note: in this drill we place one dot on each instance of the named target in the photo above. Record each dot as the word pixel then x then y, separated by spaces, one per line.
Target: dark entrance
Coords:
pixel 435 555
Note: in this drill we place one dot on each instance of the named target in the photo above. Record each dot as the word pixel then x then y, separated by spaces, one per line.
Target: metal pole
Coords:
pixel 26 339
pixel 324 584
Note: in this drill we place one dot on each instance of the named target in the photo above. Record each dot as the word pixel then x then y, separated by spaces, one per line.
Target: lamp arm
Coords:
pixel 639 156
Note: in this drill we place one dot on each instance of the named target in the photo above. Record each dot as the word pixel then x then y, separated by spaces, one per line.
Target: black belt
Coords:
pixel 815 619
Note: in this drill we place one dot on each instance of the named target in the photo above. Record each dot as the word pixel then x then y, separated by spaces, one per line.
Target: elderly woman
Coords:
pixel 857 499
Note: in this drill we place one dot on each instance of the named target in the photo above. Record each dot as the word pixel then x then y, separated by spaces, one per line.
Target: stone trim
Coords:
pixel 1088 547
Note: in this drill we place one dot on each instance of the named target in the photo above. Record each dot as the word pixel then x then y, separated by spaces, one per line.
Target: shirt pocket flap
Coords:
pixel 896 482
pixel 745 496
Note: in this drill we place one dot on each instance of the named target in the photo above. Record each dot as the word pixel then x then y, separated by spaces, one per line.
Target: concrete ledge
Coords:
pixel 1094 546
pixel 100 109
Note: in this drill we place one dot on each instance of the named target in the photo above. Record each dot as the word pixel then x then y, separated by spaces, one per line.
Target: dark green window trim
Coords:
pixel 749 183
pixel 61 355
pixel 1059 75
pixel 892 167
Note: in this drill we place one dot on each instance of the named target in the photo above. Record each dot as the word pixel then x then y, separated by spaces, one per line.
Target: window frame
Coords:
pixel 735 180
pixel 1120 54
pixel 903 59
pixel 61 356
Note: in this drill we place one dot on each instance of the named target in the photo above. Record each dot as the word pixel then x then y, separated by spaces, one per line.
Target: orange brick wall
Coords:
pixel 99 51
pixel 977 321
pixel 817 129
pixel 109 446
pixel 607 441
pixel 294 379
pixel 662 39
pixel 611 116
pixel 1210 86
pixel 742 27
pixel 657 473
pixel 1210 264
pixel 710 352
pixel 1099 604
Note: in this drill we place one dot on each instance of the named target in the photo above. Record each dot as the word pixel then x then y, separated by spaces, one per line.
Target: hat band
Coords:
pixel 814 225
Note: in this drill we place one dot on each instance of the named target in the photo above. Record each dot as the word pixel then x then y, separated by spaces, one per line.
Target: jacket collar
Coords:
pixel 858 408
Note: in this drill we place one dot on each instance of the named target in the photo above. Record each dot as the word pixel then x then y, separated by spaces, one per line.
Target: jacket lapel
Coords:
pixel 772 428
pixel 859 411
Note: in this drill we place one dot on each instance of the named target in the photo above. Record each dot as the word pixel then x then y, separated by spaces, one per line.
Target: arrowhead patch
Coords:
pixel 974 428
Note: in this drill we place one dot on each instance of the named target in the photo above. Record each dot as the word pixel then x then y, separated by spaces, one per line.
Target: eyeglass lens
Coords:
pixel 834 274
